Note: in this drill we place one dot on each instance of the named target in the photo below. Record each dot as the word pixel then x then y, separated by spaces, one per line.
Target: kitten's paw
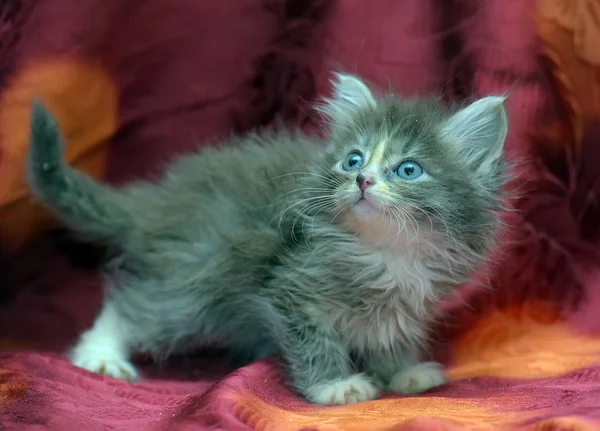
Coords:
pixel 418 378
pixel 352 390
pixel 103 361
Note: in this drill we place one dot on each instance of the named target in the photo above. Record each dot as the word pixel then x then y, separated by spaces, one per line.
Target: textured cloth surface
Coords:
pixel 154 75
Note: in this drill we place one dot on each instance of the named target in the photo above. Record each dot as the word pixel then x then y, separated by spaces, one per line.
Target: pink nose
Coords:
pixel 364 181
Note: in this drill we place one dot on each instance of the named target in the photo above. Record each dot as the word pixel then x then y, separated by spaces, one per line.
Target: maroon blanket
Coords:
pixel 523 355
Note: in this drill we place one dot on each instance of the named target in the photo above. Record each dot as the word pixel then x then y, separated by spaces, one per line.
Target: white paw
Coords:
pixel 103 360
pixel 418 378
pixel 352 390
pixel 103 349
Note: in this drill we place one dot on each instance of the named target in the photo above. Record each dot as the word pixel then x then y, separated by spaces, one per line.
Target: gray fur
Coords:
pixel 256 244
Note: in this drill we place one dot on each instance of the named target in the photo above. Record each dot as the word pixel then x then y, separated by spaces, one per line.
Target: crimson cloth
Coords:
pixel 167 74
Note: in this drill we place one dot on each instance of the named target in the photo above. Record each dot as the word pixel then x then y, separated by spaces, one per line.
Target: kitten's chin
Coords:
pixel 366 207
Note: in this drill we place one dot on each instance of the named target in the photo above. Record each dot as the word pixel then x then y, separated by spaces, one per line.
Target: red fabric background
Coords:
pixel 196 70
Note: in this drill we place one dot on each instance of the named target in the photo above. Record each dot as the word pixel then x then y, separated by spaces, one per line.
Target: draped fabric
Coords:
pixel 134 83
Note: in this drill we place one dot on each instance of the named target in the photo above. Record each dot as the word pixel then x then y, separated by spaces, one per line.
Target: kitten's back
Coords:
pixel 211 196
pixel 228 188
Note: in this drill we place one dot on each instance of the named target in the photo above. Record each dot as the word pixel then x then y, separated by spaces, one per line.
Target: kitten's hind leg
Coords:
pixel 104 348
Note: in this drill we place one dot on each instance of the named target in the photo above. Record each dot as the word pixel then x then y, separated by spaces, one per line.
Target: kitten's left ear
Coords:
pixel 479 131
pixel 350 94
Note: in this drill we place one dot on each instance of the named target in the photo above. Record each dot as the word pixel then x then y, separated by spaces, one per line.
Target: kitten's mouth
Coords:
pixel 365 201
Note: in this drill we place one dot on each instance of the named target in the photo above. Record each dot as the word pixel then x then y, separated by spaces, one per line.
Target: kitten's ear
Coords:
pixel 350 94
pixel 479 131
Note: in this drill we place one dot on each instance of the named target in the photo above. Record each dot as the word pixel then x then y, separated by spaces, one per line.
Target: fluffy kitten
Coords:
pixel 322 253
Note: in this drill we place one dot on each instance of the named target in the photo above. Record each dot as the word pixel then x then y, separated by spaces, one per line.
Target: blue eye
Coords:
pixel 353 161
pixel 409 171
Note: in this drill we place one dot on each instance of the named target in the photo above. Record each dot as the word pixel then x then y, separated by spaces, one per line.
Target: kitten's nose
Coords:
pixel 364 181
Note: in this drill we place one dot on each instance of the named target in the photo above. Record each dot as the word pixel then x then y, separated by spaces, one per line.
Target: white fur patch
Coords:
pixel 102 349
pixel 418 378
pixel 352 390
pixel 396 312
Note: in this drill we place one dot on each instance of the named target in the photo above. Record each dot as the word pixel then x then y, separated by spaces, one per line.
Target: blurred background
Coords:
pixel 135 82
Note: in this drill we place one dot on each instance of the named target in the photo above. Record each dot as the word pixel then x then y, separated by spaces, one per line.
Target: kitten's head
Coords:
pixel 412 170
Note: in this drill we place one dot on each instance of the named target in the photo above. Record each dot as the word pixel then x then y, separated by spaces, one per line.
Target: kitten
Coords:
pixel 281 244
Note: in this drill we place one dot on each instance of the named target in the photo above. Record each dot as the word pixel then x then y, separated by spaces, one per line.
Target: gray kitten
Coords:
pixel 282 244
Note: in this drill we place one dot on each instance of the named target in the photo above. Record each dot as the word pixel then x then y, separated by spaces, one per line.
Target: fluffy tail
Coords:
pixel 91 209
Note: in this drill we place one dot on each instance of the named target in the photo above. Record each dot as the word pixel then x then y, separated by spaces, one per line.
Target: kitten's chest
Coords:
pixel 392 309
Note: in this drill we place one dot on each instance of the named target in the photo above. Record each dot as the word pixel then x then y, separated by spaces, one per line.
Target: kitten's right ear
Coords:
pixel 350 94
pixel 478 133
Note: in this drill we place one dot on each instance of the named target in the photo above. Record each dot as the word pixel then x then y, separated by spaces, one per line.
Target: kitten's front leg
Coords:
pixel 404 373
pixel 321 368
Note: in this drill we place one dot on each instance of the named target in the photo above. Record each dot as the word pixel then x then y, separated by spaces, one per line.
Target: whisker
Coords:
pixel 318 209
pixel 305 190
pixel 396 217
pixel 301 214
pixel 310 174
pixel 282 213
pixel 399 214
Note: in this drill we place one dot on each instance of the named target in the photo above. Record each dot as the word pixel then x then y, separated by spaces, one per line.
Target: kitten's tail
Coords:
pixel 92 209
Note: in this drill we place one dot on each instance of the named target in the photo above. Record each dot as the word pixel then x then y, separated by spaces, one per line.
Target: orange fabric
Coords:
pixel 582 19
pixel 528 341
pixel 85 102
pixel 375 415
pixel 570 31
pixel 13 387
pixel 379 415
